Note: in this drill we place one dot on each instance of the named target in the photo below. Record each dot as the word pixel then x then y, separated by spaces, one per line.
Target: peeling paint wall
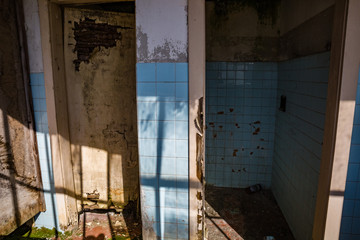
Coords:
pixel 238 32
pixel 99 51
pixel 161 29
pixel 163 106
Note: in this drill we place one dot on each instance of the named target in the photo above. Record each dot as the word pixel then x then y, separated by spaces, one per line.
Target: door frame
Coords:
pixel 339 118
pixel 51 21
pixel 344 68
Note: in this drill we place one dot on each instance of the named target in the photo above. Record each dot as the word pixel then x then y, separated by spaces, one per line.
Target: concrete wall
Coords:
pixel 162 104
pixel 49 218
pixel 237 32
pixel 161 31
pixel 293 13
pixel 101 98
pixel 240 122
pixel 298 139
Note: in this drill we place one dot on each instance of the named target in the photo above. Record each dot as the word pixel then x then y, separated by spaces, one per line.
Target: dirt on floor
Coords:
pixel 93 225
pixel 235 214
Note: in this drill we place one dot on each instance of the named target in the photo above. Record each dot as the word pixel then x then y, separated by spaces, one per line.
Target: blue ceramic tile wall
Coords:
pixel 350 223
pixel 240 121
pixel 162 102
pixel 48 218
pixel 298 139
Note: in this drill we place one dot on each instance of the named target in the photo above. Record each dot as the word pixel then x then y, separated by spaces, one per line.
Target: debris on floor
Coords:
pixel 110 225
pixel 234 214
pixel 93 225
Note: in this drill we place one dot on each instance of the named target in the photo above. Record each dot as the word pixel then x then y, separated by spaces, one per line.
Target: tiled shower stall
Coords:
pixel 250 140
pixel 240 117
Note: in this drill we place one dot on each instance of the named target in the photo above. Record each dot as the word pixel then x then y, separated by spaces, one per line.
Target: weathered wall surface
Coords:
pixel 293 13
pixel 272 31
pixel 162 105
pixel 101 90
pixel 310 37
pixel 239 32
pixel 161 29
pixel 19 169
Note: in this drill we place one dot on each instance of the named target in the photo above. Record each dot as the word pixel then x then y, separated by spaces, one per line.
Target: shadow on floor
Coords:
pixel 99 224
pixel 235 214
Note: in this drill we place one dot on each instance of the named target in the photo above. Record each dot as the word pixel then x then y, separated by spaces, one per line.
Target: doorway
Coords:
pixel 266 91
pixel 94 125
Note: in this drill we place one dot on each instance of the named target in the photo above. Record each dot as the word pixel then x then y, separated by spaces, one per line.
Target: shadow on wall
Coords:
pixel 14 122
pixel 162 96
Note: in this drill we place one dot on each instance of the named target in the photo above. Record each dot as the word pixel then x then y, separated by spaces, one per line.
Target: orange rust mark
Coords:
pixel 256 131
pixel 234 153
pixel 220 126
pixel 199 219
pixel 257 122
pixel 222 112
pixel 231 109
pixel 199 166
pixel 261 139
pixel 199 196
pixel 211 123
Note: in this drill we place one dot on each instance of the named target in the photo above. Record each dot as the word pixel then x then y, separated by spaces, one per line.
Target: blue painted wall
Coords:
pixel 350 223
pixel 49 218
pixel 298 139
pixel 240 121
pixel 162 105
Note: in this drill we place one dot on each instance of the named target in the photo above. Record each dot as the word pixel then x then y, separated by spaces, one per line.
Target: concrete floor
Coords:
pixel 110 225
pixel 235 214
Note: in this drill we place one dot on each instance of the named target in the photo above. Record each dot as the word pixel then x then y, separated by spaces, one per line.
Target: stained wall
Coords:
pixel 162 113
pixel 240 123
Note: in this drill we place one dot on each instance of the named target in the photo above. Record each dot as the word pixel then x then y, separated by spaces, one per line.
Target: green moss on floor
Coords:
pixel 46 233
